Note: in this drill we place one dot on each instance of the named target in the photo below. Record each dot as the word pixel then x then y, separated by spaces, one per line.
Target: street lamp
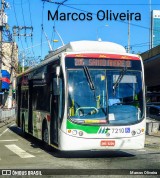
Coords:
pixel 99 39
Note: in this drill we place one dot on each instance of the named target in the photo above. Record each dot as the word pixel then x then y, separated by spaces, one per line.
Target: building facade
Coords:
pixel 8 70
pixel 155 28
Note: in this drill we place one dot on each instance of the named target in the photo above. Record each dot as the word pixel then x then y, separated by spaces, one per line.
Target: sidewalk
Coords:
pixel 7 116
pixel 153 140
pixel 7 121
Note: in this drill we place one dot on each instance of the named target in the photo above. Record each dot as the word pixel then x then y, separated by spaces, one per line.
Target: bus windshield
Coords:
pixel 86 103
pixel 94 99
pixel 125 101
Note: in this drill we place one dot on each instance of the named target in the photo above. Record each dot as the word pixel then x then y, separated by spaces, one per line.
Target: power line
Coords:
pixel 17 21
pixel 30 11
pixel 54 26
pixel 42 27
pixel 19 3
pixel 23 21
pixel 105 4
pixel 22 13
pixel 78 9
pixel 84 4
pixel 31 25
pixel 15 12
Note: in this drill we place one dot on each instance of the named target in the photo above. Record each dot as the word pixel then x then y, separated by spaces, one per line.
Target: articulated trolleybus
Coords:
pixel 86 95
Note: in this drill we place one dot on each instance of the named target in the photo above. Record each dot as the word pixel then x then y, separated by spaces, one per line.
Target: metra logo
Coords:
pixel 103 130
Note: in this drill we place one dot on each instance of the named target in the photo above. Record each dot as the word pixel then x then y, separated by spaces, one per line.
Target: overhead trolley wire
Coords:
pixel 54 26
pixel 24 22
pixel 81 10
pixel 42 28
pixel 31 25
pixel 17 22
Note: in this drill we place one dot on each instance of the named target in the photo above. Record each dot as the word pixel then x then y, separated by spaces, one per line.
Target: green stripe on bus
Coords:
pixel 85 128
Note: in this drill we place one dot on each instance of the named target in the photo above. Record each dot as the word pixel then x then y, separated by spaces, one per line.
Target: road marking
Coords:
pixel 14 140
pixel 19 151
pixel 141 150
pixel 4 131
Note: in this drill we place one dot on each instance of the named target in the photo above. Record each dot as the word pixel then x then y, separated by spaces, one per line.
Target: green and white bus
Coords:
pixel 86 95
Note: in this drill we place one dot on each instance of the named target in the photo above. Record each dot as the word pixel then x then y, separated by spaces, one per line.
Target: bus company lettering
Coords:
pixel 102 62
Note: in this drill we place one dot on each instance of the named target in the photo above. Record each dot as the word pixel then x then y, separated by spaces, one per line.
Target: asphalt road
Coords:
pixel 18 152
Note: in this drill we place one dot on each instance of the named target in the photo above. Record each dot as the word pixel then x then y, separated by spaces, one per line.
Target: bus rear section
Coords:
pixel 105 102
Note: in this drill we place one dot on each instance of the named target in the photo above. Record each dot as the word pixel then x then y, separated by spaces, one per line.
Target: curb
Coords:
pixel 153 140
pixel 7 121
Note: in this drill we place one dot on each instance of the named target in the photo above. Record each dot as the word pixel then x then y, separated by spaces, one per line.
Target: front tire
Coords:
pixel 23 127
pixel 45 138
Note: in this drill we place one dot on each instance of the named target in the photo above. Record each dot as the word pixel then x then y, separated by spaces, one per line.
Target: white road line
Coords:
pixel 14 140
pixel 141 150
pixel 19 151
pixel 4 131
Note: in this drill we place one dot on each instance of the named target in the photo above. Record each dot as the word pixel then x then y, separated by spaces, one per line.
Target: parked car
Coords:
pixel 153 111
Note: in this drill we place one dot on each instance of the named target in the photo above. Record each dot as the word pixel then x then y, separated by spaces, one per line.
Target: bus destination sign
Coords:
pixel 102 62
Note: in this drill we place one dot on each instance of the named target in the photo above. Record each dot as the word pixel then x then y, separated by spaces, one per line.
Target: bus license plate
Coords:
pixel 107 143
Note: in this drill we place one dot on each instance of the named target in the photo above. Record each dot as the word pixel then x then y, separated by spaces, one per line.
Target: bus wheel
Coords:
pixel 45 135
pixel 45 138
pixel 23 128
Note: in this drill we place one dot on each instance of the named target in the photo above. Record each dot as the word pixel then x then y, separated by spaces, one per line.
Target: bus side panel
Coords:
pixel 38 118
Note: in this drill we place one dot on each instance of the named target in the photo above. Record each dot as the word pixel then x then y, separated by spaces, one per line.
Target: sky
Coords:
pixel 35 13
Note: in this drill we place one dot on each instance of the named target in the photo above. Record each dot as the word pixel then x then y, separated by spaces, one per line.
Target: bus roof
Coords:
pixel 89 46
pixel 84 46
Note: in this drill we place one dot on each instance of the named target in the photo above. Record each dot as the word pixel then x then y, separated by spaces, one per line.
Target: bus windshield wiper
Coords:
pixel 89 78
pixel 124 70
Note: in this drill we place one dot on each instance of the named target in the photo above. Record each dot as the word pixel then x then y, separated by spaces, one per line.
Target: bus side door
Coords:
pixel 54 111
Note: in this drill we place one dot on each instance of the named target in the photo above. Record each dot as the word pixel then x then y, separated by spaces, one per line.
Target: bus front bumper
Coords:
pixel 70 143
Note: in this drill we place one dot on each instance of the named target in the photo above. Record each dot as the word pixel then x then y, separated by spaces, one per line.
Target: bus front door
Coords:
pixel 54 112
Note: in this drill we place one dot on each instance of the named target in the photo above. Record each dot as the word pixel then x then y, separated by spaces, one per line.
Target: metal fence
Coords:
pixel 6 114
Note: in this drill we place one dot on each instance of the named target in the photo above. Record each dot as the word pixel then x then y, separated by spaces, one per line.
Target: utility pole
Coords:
pixel 23 31
pixel 1 29
pixel 128 50
pixel 150 25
